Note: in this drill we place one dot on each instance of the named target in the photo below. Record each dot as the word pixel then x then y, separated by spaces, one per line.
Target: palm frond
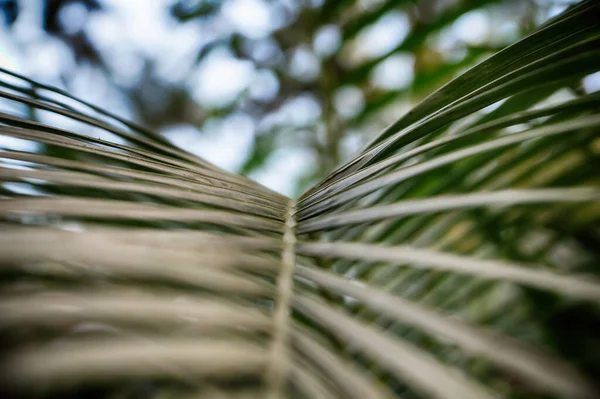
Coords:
pixel 454 257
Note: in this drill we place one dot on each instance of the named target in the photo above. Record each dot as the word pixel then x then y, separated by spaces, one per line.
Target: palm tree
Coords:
pixel 454 257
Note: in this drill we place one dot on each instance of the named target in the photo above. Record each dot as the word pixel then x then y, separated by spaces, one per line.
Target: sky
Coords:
pixel 131 30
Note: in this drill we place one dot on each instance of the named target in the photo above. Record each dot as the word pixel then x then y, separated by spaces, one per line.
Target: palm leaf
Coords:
pixel 454 257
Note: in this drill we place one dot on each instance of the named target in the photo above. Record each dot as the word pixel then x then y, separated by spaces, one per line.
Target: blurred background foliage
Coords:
pixel 281 91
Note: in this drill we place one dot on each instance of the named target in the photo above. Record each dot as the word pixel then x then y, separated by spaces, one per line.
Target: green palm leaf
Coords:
pixel 455 257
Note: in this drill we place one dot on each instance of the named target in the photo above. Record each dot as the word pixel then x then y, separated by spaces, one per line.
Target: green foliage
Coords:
pixel 456 256
pixel 437 52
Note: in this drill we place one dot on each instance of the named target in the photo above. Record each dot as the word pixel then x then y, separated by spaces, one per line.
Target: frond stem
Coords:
pixel 279 364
